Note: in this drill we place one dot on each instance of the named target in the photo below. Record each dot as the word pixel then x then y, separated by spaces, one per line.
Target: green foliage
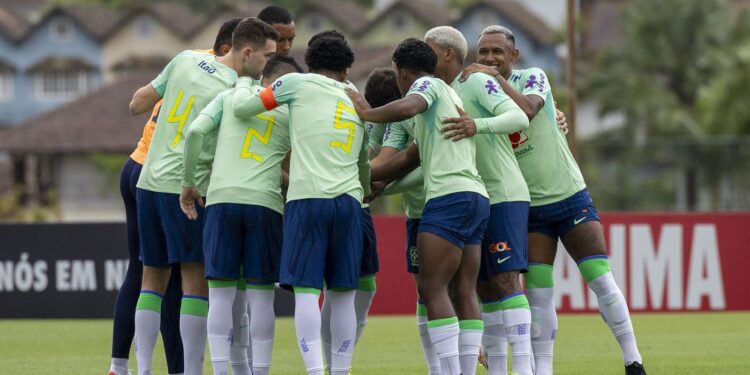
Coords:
pixel 110 165
pixel 14 209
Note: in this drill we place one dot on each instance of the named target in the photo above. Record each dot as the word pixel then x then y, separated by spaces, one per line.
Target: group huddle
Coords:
pixel 287 163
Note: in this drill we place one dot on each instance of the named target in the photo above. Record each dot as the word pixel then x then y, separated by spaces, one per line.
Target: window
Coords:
pixel 145 26
pixel 61 84
pixel 6 86
pixel 61 30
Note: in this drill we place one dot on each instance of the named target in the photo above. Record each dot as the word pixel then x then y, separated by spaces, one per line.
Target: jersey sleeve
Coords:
pixel 535 83
pixel 506 118
pixel 375 134
pixel 215 109
pixel 396 136
pixel 424 87
pixel 206 122
pixel 160 82
pixel 248 103
pixel 487 92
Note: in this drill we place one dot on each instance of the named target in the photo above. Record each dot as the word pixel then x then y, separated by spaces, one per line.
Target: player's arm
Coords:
pixel 144 99
pixel 529 104
pixel 246 103
pixel 413 180
pixel 397 110
pixel 363 164
pixel 397 166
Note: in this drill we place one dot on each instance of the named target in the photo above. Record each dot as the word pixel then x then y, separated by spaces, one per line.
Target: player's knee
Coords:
pixel 506 283
pixel 155 279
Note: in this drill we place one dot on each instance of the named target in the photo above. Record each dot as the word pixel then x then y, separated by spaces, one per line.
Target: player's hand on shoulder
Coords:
pixel 359 101
pixel 189 197
pixel 458 128
pixel 477 68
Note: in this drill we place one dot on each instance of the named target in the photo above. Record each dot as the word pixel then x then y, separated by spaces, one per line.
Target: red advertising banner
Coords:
pixel 662 262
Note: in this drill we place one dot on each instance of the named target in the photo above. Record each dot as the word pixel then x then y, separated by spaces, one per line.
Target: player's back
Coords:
pixel 249 152
pixel 448 167
pixel 326 136
pixel 187 84
pixel 542 150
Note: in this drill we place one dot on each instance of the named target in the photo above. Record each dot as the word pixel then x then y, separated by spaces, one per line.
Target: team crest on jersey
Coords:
pixel 539 83
pixel 491 87
pixel 275 85
pixel 517 139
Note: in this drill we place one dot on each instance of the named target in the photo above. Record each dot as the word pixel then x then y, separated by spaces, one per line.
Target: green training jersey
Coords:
pixel 187 84
pixel 375 133
pixel 329 155
pixel 400 135
pixel 448 167
pixel 542 151
pixel 249 152
pixel 484 99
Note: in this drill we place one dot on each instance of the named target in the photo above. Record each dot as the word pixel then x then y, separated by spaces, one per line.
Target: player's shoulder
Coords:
pixel 423 84
pixel 525 74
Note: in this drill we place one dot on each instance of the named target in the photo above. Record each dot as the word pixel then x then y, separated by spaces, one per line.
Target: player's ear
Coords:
pixel 224 49
pixel 514 55
pixel 247 52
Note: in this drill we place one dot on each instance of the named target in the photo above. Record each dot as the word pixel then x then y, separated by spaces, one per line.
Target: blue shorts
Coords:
pixel 370 264
pixel 559 218
pixel 505 246
pixel 166 235
pixel 412 256
pixel 459 218
pixel 242 235
pixel 322 242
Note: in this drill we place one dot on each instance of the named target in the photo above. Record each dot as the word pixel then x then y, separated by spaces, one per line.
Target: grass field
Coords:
pixel 716 343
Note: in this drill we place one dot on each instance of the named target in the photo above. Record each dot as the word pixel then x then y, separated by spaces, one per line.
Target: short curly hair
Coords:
pixel 329 54
pixel 415 55
pixel 332 33
pixel 382 87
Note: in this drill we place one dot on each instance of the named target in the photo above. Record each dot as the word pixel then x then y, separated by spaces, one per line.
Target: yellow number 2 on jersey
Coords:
pixel 341 107
pixel 263 138
pixel 179 119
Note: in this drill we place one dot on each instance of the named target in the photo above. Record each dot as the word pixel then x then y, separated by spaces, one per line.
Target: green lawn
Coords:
pixel 696 343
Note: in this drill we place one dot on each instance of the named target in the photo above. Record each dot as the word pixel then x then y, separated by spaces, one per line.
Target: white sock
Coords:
pixel 445 341
pixel 469 342
pixel 220 327
pixel 614 310
pixel 343 330
pixel 430 357
pixel 240 335
pixel 119 366
pixel 147 324
pixel 262 326
pixel 325 330
pixel 517 324
pixel 362 303
pixel 307 326
pixel 193 329
pixel 543 327
pixel 495 343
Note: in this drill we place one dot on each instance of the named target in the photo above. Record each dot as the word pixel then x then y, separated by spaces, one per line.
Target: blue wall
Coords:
pixel 38 46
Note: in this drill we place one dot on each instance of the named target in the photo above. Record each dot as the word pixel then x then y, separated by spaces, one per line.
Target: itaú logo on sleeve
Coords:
pixel 517 139
pixel 499 247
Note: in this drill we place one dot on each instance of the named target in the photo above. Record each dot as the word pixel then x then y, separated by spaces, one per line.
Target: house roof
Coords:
pixel 177 17
pixel 96 20
pixel 524 18
pixel 346 14
pixel 61 64
pixel 97 122
pixel 428 12
pixel 12 26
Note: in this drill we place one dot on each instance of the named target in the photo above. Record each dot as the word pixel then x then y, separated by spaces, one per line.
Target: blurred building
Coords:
pixel 67 73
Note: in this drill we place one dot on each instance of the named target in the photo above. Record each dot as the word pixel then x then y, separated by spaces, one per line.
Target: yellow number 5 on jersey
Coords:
pixel 263 138
pixel 341 107
pixel 179 119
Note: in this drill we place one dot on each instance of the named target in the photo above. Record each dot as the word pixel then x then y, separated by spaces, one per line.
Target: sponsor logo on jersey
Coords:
pixel 276 84
pixel 422 87
pixel 501 261
pixel 207 68
pixel 518 138
pixel 491 87
pixel 499 246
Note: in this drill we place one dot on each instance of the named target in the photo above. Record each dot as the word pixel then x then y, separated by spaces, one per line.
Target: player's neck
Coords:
pixel 228 60
pixel 450 72
pixel 336 76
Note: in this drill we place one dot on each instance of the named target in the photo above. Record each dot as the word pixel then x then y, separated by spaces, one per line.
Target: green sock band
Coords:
pixel 421 309
pixel 539 276
pixel 196 306
pixel 223 283
pixel 592 268
pixel 149 301
pixel 367 283
pixel 252 286
pixel 471 325
pixel 515 302
pixel 299 289
pixel 491 307
pixel 241 285
pixel 442 322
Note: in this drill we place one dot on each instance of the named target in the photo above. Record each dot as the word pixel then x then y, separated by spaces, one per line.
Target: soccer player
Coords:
pixel 187 84
pixel 561 207
pixel 243 212
pixel 281 20
pixel 127 295
pixel 505 307
pixel 328 170
pixel 456 210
